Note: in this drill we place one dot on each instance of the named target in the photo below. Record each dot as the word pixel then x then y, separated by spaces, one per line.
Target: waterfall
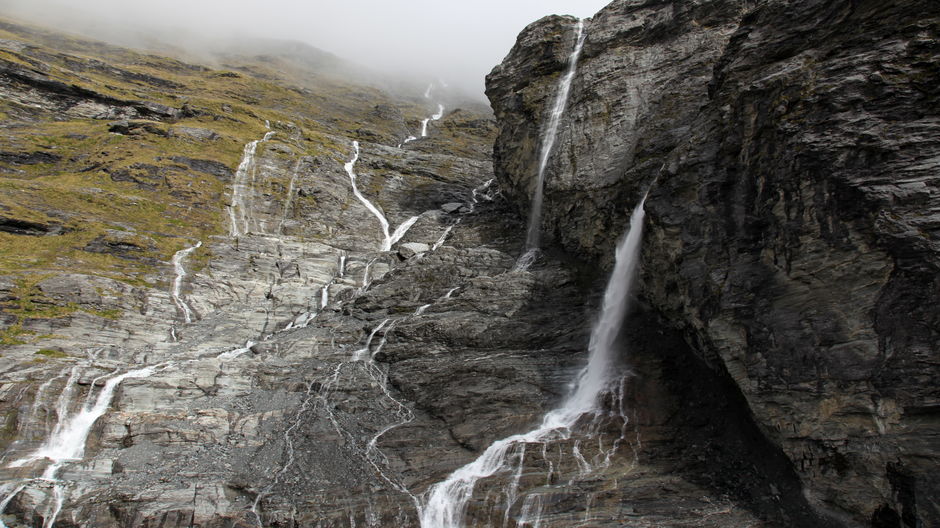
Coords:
pixel 325 295
pixel 446 501
pixel 427 120
pixel 433 117
pixel 389 239
pixel 239 215
pixel 67 441
pixel 178 259
pixel 548 141
pixel 235 352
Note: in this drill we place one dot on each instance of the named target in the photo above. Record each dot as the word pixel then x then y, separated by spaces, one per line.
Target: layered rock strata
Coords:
pixel 790 149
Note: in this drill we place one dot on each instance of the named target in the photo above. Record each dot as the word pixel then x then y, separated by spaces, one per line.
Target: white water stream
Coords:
pixel 9 497
pixel 548 141
pixel 178 259
pixel 67 441
pixel 446 502
pixel 424 122
pixel 433 117
pixel 389 239
pixel 239 212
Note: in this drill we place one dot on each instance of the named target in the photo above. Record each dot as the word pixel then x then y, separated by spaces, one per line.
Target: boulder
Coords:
pixel 410 249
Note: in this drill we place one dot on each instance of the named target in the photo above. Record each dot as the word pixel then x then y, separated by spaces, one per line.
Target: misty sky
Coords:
pixel 458 41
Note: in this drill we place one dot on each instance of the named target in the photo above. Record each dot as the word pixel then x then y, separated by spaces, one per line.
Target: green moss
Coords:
pixel 8 431
pixel 28 301
pixel 15 335
pixel 112 314
pixel 51 353
pixel 102 181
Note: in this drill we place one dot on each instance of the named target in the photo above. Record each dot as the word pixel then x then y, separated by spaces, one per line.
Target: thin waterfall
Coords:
pixel 548 141
pixel 433 117
pixel 239 215
pixel 427 120
pixel 178 259
pixel 388 239
pixel 446 502
pixel 351 172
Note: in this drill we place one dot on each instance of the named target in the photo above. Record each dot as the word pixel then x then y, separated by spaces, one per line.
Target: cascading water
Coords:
pixel 425 121
pixel 178 259
pixel 443 238
pixel 389 239
pixel 433 117
pixel 239 214
pixel 446 502
pixel 548 141
pixel 235 352
pixel 67 441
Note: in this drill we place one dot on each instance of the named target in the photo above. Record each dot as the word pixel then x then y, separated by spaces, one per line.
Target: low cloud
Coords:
pixel 455 41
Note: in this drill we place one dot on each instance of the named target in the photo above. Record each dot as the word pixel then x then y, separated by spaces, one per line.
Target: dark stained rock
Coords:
pixel 142 174
pixel 215 168
pixel 28 158
pixel 19 226
pixel 127 127
pixel 120 243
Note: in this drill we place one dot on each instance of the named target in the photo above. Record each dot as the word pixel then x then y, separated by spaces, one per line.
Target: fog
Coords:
pixel 455 41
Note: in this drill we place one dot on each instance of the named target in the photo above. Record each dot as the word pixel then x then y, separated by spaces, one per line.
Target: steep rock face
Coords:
pixel 643 72
pixel 294 373
pixel 793 218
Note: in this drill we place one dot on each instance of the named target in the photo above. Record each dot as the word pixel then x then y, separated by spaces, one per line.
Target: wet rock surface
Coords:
pixel 791 156
pixel 777 370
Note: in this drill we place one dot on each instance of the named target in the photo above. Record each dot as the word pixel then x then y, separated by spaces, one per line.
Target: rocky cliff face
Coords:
pixel 189 277
pixel 190 280
pixel 790 149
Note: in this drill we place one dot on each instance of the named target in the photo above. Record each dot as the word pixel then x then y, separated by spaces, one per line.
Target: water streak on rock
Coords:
pixel 178 259
pixel 446 501
pixel 548 141
pixel 239 213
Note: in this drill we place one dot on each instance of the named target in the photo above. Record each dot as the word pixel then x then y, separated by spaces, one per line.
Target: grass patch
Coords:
pixel 51 353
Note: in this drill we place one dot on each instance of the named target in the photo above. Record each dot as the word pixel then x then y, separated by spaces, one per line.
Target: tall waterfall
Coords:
pixel 238 212
pixel 548 141
pixel 446 502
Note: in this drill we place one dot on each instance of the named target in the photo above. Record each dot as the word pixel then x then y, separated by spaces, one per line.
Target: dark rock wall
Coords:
pixel 793 219
pixel 643 74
